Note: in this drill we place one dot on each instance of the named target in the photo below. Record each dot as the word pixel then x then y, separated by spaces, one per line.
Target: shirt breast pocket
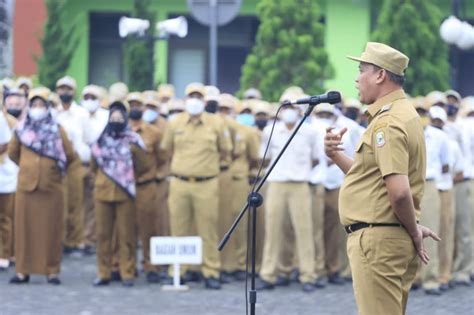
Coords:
pixel 364 155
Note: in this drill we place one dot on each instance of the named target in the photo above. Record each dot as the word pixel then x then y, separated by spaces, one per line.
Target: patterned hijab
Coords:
pixel 114 157
pixel 43 137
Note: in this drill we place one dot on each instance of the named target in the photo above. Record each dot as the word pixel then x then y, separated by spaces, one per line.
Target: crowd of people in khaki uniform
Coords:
pixel 104 175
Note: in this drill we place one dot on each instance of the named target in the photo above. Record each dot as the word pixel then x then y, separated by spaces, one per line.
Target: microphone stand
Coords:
pixel 255 200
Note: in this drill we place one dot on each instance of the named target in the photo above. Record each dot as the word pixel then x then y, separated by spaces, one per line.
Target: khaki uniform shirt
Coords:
pixel 195 145
pixel 38 172
pixel 163 170
pixel 392 144
pixel 150 157
pixel 247 143
pixel 105 189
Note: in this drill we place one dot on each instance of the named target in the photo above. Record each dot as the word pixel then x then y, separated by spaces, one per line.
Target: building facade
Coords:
pixel 99 55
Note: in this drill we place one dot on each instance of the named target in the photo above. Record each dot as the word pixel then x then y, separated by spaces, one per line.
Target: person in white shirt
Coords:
pixel 96 122
pixel 73 118
pixel 445 187
pixel 288 195
pixel 8 180
pixel 437 163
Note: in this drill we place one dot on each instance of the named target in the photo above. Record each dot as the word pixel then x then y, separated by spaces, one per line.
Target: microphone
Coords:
pixel 331 97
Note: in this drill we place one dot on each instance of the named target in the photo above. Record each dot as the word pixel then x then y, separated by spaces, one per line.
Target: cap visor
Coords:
pixel 358 59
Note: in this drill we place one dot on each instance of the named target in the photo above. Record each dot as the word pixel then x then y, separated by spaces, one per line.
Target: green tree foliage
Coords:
pixel 57 46
pixel 139 52
pixel 412 26
pixel 289 49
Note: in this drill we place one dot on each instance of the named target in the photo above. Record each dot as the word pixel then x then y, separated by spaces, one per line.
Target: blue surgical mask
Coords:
pixel 149 115
pixel 246 119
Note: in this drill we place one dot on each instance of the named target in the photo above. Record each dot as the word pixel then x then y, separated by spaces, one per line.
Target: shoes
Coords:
pixel 264 285
pixel 115 276
pixel 98 282
pixel 240 275
pixel 212 283
pixel 336 279
pixel 192 276
pixel 435 292
pixel 463 283
pixel 294 275
pixel 226 277
pixel 308 287
pixel 89 250
pixel 128 283
pixel 54 280
pixel 282 281
pixel 320 283
pixel 152 277
pixel 444 287
pixel 415 286
pixel 19 279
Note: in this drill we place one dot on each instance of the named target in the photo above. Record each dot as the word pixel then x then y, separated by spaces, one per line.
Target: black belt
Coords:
pixel 362 225
pixel 193 179
pixel 159 180
pixel 146 182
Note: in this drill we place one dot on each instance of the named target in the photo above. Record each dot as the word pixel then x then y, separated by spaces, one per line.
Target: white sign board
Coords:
pixel 176 250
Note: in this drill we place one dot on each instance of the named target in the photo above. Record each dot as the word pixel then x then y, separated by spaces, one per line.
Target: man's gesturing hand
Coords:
pixel 332 141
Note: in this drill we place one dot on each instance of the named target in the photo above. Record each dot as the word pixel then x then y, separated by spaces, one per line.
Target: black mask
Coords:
pixel 117 126
pixel 135 114
pixel 452 110
pixel 352 113
pixel 261 123
pixel 211 107
pixel 66 98
pixel 14 112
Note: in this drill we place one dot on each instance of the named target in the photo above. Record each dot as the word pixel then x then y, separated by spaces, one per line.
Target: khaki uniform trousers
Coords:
pixel 383 263
pixel 233 257
pixel 194 205
pixel 285 199
pixel 260 230
pixel 463 219
pixel 226 211
pixel 332 230
pixel 446 233
pixel 430 217
pixel 121 217
pixel 288 259
pixel 89 213
pixel 162 191
pixel 146 206
pixel 7 202
pixel 317 205
pixel 74 215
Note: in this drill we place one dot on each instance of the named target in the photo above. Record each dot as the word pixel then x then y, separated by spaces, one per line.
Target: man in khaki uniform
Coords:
pixel 146 202
pixel 196 142
pixel 233 257
pixel 153 116
pixel 379 201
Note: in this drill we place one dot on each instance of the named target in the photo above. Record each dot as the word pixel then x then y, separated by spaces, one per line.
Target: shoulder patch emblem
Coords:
pixel 380 139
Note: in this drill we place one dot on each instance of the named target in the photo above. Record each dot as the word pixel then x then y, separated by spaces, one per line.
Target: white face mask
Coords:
pixel 290 116
pixel 37 113
pixel 194 106
pixel 90 105
pixel 326 122
pixel 150 115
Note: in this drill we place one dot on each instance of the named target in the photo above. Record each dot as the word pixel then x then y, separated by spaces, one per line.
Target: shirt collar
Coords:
pixel 375 108
pixel 200 119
